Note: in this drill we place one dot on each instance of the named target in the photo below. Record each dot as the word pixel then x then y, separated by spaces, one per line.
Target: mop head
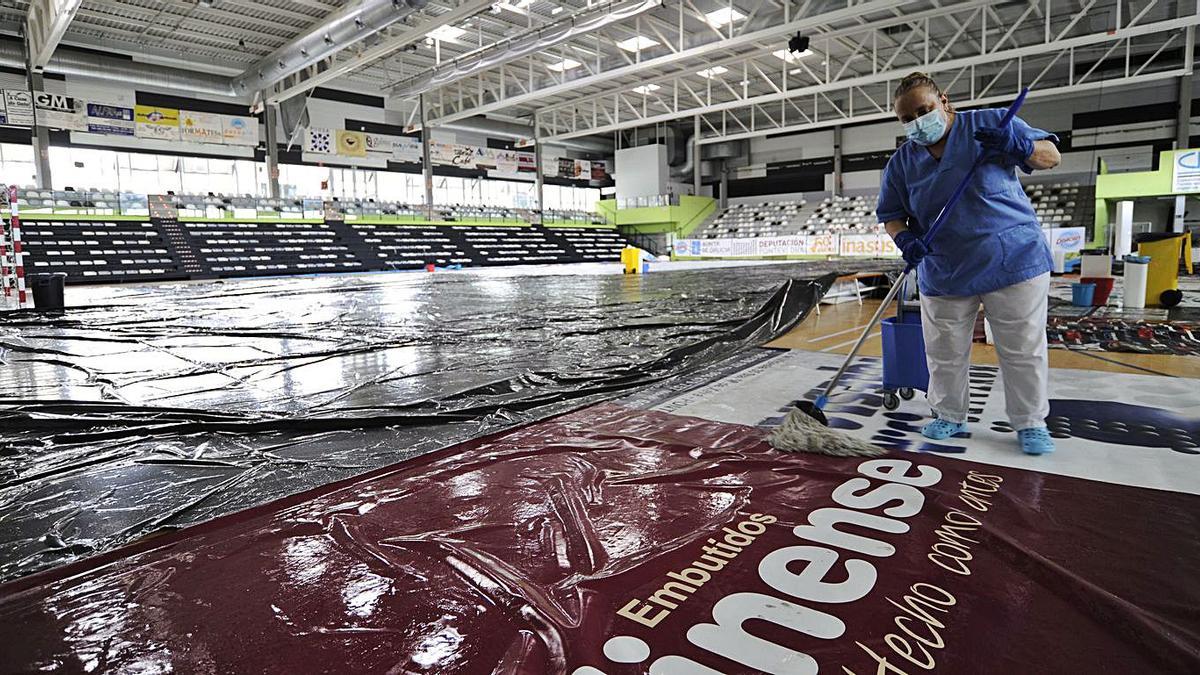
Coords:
pixel 801 432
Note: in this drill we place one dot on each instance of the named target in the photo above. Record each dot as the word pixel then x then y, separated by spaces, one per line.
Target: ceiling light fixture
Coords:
pixel 637 43
pixel 713 72
pixel 446 33
pixel 723 17
pixel 564 65
pixel 791 57
pixel 646 89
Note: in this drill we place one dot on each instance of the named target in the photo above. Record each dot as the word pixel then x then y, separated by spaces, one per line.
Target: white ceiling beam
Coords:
pixel 884 76
pixel 972 102
pixel 45 24
pixel 638 69
pixel 381 50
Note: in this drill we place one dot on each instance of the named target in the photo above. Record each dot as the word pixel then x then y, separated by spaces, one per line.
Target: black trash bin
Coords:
pixel 48 291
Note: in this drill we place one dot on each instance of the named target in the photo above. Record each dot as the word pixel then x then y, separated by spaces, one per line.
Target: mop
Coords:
pixel 805 429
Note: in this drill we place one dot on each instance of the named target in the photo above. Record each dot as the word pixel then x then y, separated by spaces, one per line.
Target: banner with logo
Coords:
pixel 58 111
pixel 113 120
pixel 18 108
pixel 1066 239
pixel 200 127
pixel 406 149
pixel 238 130
pixel 847 245
pixel 351 143
pixel 619 540
pixel 319 140
pixel 156 122
pixel 867 245
pixel 1185 174
pixel 381 144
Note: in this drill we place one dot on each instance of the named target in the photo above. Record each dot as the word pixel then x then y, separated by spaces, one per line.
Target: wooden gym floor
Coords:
pixel 838 326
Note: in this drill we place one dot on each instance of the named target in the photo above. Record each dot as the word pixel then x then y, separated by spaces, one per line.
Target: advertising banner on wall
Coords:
pixel 351 143
pixel 18 108
pixel 1065 239
pixel 381 144
pixel 847 245
pixel 405 149
pixel 317 139
pixel 57 111
pixel 867 245
pixel 1185 175
pixel 200 127
pixel 238 130
pixel 113 120
pixel 156 122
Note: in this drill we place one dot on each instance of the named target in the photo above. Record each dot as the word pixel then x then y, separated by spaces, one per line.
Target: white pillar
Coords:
pixel 1123 244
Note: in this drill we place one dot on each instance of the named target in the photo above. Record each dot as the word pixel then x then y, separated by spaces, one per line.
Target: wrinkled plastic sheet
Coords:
pixel 615 540
pixel 144 409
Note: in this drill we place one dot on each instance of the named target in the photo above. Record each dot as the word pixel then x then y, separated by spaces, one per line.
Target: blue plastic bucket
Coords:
pixel 1082 294
pixel 904 364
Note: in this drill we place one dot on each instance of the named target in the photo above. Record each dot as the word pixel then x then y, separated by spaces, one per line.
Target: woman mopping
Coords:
pixel 992 252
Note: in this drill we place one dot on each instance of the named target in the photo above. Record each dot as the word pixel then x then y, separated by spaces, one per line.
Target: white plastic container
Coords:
pixel 1060 261
pixel 1134 286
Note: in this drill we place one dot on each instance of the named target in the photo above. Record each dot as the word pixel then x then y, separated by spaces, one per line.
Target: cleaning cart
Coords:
pixel 904 366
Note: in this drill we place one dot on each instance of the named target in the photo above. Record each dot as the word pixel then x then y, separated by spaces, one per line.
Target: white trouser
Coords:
pixel 1017 315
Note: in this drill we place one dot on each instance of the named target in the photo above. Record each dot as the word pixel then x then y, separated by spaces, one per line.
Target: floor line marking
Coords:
pixel 850 342
pixel 840 332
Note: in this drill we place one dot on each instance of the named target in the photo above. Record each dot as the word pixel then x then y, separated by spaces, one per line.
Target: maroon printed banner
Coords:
pixel 623 541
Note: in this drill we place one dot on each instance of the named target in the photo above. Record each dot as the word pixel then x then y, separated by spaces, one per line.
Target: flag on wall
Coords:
pixel 318 140
pixel 351 143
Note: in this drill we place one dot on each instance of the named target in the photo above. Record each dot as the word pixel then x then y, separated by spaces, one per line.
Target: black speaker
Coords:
pixel 798 44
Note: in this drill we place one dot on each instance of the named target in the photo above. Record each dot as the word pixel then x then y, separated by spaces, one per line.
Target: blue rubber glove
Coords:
pixel 1005 141
pixel 911 247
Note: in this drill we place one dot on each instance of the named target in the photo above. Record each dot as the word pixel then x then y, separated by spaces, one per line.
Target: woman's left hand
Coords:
pixel 1006 141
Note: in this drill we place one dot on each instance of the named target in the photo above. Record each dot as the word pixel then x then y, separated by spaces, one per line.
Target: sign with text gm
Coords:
pixel 1185 175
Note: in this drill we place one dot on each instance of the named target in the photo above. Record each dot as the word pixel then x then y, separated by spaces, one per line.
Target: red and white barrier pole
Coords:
pixel 18 253
pixel 5 281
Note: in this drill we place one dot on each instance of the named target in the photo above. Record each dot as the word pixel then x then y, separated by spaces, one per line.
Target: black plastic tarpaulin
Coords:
pixel 155 407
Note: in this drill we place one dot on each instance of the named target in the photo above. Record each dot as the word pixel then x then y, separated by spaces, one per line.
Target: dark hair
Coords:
pixel 918 79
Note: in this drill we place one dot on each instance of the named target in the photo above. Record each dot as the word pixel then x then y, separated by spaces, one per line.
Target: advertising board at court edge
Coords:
pixel 785 592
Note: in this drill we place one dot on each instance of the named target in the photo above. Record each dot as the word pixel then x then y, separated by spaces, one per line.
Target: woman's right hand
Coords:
pixel 911 247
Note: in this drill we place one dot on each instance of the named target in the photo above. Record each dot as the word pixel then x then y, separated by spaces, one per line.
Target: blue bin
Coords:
pixel 1082 294
pixel 904 364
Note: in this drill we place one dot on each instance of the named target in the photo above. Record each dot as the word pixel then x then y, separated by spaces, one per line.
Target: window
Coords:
pixel 16 161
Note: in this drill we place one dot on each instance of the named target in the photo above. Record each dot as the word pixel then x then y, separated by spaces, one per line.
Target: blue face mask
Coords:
pixel 928 128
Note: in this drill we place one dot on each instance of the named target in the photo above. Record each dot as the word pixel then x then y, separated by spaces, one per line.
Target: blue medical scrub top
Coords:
pixel 992 238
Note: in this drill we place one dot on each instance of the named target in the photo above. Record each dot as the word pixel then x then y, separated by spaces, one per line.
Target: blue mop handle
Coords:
pixel 962 186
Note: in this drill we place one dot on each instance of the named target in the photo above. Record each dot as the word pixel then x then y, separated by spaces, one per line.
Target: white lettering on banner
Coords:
pixel 801 572
pixel 1185 171
pixel 114 120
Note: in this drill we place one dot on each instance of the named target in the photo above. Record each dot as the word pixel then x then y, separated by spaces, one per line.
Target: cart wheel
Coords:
pixel 907 393
pixel 891 401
